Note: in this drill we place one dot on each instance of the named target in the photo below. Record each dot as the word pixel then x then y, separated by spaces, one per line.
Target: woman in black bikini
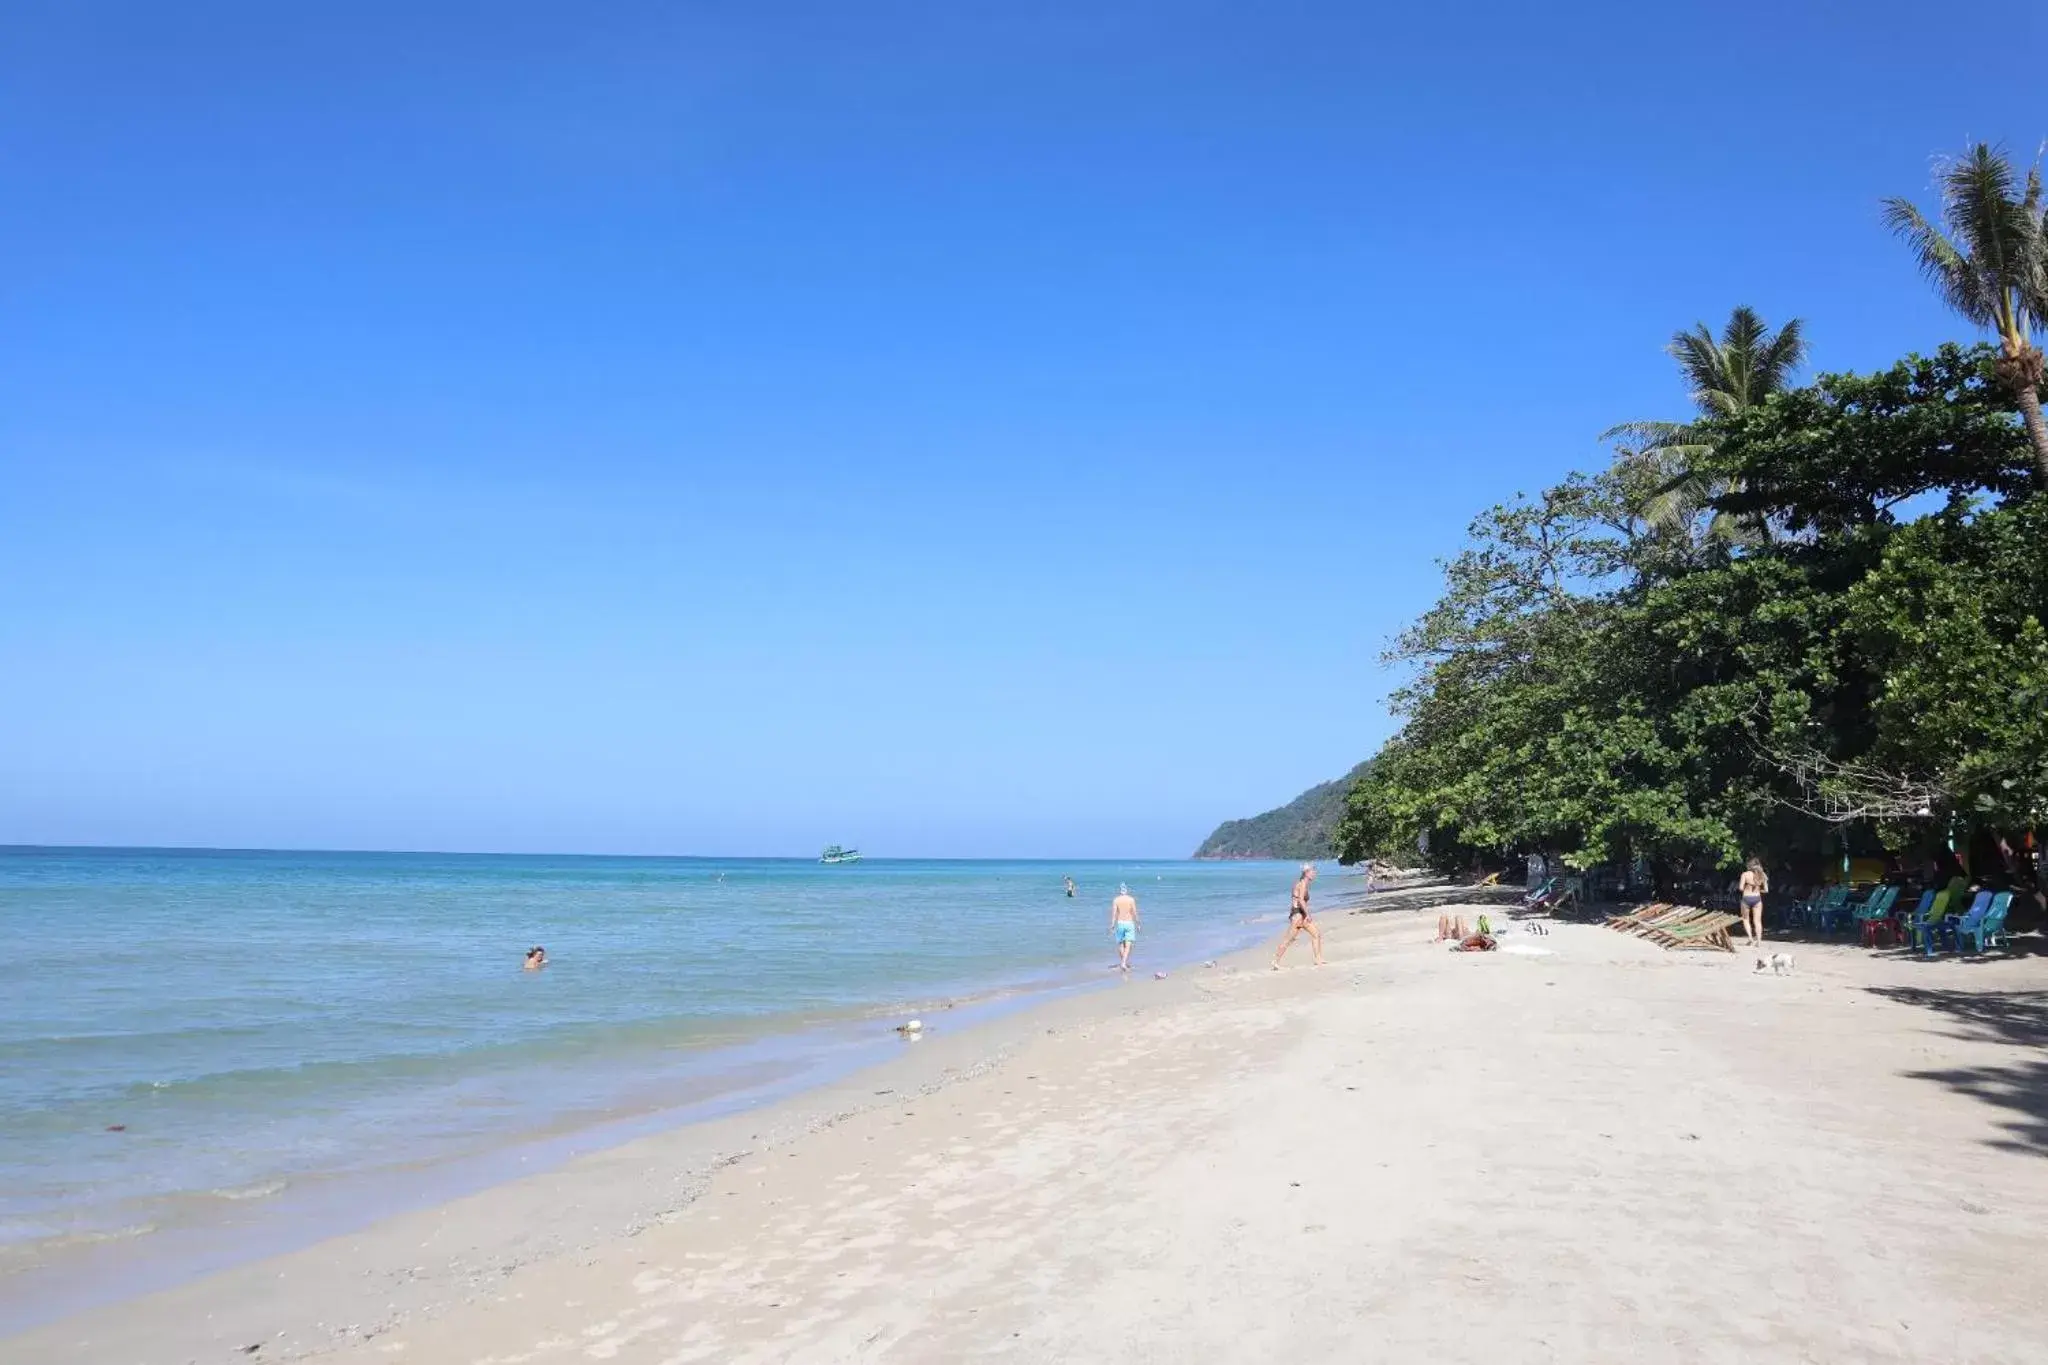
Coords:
pixel 1299 920
pixel 1752 887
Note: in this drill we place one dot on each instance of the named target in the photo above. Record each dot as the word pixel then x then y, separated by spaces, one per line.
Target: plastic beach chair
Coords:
pixel 1981 934
pixel 1807 913
pixel 1875 911
pixel 1921 928
pixel 1846 912
pixel 1951 930
pixel 1899 926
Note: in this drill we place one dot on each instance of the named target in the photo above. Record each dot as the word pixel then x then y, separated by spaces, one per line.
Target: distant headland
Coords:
pixel 1305 827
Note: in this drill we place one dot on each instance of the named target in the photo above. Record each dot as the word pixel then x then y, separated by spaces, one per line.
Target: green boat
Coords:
pixel 836 854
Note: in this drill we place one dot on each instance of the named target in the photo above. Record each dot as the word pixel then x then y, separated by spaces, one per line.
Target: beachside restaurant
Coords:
pixel 1953 902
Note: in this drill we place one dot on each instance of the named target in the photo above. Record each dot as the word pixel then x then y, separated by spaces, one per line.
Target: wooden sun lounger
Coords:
pixel 1637 918
pixel 1676 917
pixel 1711 932
pixel 1671 921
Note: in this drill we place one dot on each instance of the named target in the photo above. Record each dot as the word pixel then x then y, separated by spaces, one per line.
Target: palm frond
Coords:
pixel 1704 365
pixel 1736 531
pixel 1778 360
pixel 1977 204
pixel 1946 267
pixel 1746 365
pixel 1744 330
pixel 1648 435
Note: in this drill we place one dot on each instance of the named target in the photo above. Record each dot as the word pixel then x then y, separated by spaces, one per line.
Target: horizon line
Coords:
pixel 10 848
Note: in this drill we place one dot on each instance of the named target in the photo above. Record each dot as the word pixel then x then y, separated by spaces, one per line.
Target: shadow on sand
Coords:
pixel 2016 1018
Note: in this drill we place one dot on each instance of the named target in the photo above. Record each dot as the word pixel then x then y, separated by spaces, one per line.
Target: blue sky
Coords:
pixel 733 428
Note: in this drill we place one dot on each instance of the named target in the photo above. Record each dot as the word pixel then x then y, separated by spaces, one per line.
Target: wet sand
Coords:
pixel 1587 1150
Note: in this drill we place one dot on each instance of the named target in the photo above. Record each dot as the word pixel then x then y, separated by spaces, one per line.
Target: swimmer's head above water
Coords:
pixel 536 956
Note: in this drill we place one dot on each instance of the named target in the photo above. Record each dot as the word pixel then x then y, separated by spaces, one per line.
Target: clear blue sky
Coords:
pixel 731 428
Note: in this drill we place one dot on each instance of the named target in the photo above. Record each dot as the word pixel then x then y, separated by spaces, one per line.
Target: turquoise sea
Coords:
pixel 186 1033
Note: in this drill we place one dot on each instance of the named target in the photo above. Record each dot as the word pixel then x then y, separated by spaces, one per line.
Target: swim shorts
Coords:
pixel 1126 932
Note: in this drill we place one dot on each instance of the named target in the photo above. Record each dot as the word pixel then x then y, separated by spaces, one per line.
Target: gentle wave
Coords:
pixel 262 1190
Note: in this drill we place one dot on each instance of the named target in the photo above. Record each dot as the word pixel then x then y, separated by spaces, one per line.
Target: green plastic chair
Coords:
pixel 1924 924
pixel 1813 913
pixel 1874 911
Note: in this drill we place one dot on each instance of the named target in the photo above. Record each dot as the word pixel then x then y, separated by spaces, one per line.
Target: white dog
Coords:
pixel 1777 964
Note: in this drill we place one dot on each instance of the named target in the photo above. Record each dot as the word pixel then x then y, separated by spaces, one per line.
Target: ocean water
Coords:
pixel 187 1032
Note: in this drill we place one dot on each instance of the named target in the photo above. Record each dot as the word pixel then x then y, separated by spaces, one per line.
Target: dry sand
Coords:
pixel 1605 1153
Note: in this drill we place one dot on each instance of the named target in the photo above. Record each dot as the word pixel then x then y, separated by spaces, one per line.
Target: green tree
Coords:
pixel 1849 449
pixel 1991 266
pixel 1584 689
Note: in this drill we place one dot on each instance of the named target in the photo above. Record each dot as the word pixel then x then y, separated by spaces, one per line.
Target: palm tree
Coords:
pixel 1991 266
pixel 1728 376
pixel 1746 366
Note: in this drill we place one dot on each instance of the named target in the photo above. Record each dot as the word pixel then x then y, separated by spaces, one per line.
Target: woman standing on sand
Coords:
pixel 1299 920
pixel 1752 888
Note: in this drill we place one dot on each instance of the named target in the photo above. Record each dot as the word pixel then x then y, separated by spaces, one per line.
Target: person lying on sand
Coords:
pixel 1450 927
pixel 1299 920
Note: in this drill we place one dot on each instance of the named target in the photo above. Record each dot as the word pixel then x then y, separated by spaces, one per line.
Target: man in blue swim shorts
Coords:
pixel 1123 924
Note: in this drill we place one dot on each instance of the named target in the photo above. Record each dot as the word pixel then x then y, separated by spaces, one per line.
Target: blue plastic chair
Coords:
pixel 1987 930
pixel 1951 930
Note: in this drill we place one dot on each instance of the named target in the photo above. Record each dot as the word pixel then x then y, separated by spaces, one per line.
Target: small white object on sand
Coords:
pixel 914 1027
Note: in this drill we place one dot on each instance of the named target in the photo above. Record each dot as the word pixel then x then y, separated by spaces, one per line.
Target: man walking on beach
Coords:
pixel 1299 920
pixel 1123 924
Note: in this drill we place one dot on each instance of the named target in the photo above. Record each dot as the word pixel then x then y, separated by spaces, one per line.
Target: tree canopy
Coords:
pixel 1608 685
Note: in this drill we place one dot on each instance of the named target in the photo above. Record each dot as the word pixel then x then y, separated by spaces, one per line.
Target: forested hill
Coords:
pixel 1305 827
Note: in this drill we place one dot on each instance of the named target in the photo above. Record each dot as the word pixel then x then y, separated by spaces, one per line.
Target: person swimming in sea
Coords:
pixel 536 958
pixel 1070 888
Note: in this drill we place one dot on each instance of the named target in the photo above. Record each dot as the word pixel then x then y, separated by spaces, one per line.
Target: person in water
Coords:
pixel 1070 887
pixel 1123 924
pixel 536 958
pixel 1299 920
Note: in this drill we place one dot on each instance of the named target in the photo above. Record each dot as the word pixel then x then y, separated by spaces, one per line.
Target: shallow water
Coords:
pixel 249 1021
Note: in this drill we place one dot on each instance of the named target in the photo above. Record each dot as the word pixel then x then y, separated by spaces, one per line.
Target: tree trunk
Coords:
pixel 2037 429
pixel 2019 369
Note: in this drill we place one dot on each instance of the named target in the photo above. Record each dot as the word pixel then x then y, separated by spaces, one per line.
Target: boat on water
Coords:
pixel 836 854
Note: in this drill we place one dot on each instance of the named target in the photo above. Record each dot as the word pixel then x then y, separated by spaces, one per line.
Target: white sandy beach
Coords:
pixel 1605 1153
